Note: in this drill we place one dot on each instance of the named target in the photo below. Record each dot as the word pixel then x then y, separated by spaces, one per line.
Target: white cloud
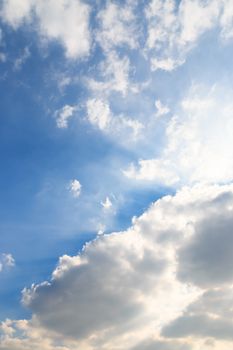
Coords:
pixel 63 115
pixel 66 21
pixel 196 17
pixel 107 204
pixel 161 109
pixel 75 188
pixel 134 125
pixel 100 115
pixel 198 143
pixel 114 72
pixel 167 64
pixel 126 289
pixel 158 170
pixel 117 26
pixel 6 261
pixel 15 12
pixel 174 28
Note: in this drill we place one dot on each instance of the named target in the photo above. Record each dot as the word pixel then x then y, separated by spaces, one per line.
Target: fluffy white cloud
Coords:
pixel 6 261
pixel 117 26
pixel 63 115
pixel 100 115
pixel 198 142
pixel 15 12
pixel 75 188
pixel 66 21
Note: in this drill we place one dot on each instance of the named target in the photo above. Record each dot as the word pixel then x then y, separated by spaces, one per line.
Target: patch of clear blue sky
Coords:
pixel 39 219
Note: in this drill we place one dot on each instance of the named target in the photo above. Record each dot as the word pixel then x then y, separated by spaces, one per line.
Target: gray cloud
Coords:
pixel 101 291
pixel 207 258
pixel 162 345
pixel 209 316
pixel 201 326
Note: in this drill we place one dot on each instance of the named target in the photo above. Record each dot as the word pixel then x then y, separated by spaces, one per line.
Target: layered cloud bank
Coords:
pixel 165 283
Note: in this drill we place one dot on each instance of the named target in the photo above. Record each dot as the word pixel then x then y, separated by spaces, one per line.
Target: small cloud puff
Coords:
pixel 107 204
pixel 161 109
pixel 75 188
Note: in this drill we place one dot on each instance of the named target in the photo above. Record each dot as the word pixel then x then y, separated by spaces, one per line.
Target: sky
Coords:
pixel 116 181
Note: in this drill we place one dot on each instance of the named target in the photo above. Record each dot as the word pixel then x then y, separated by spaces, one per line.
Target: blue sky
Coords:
pixel 116 116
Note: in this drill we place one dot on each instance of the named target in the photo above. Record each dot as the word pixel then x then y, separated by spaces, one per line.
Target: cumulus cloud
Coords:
pixel 125 289
pixel 66 21
pixel 6 261
pixel 75 188
pixel 198 142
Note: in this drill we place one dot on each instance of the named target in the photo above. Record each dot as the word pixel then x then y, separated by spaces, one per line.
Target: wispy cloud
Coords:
pixel 6 261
